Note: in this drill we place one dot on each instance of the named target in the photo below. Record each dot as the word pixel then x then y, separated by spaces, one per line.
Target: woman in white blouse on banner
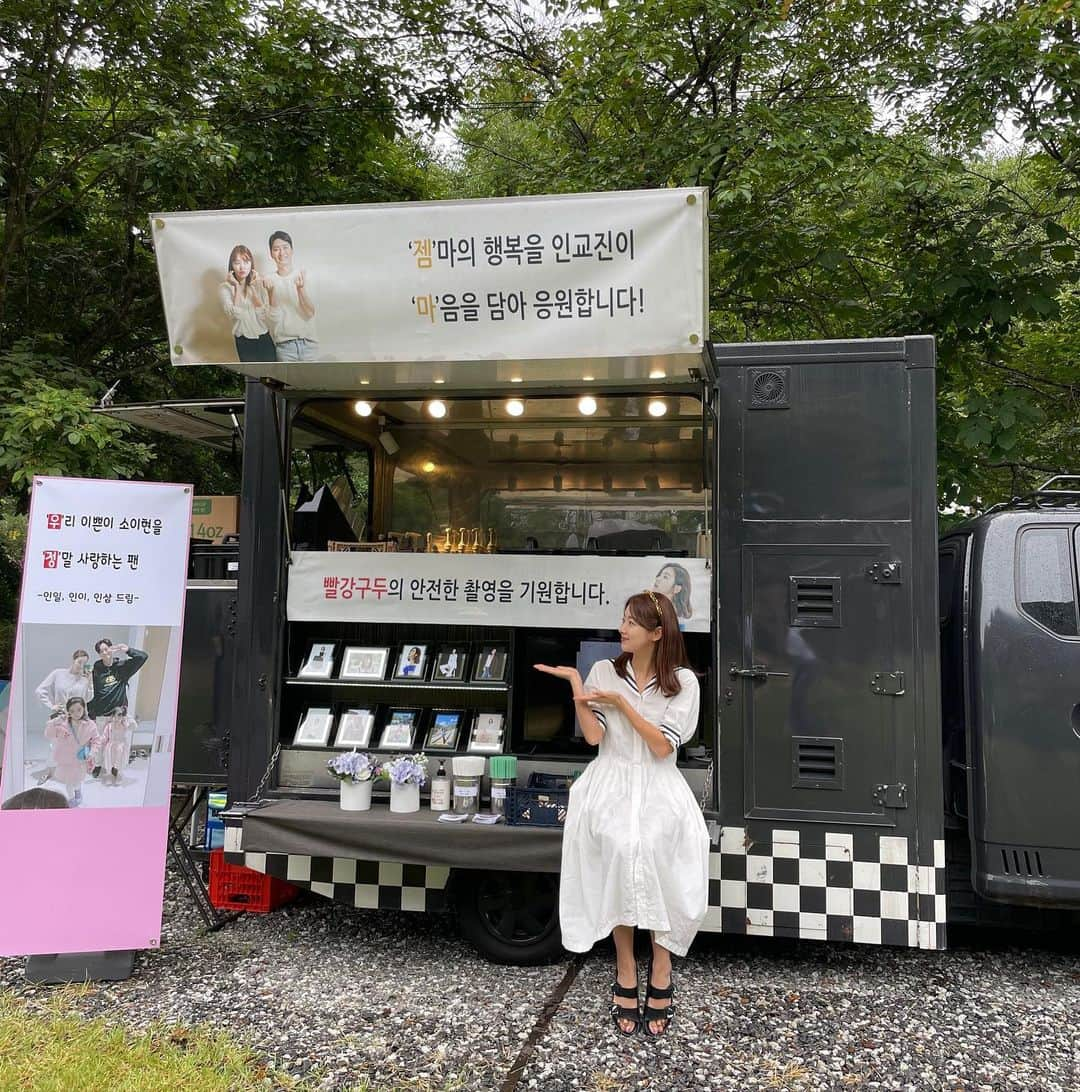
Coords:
pixel 246 304
pixel 635 848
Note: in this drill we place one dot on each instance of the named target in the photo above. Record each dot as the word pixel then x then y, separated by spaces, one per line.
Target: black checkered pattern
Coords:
pixel 372 885
pixel 859 885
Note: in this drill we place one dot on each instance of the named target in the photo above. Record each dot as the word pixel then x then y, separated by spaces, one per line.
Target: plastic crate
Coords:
pixel 541 779
pixel 234 887
pixel 530 807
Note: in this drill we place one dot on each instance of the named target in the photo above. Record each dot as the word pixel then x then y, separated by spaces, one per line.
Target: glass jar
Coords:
pixel 503 772
pixel 468 770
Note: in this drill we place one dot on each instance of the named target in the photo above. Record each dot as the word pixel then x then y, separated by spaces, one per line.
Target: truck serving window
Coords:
pixel 1045 587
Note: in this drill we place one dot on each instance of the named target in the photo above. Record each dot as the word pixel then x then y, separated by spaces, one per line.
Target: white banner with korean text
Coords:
pixel 604 275
pixel 87 770
pixel 537 591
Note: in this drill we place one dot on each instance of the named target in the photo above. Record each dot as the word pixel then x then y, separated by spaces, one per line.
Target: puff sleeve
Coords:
pixel 679 720
pixel 597 679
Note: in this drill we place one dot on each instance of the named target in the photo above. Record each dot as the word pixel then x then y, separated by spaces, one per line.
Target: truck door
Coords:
pixel 827 572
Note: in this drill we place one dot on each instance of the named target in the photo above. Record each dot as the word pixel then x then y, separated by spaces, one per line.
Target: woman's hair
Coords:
pixel 681 600
pixel 35 800
pixel 79 652
pixel 243 252
pixel 652 610
pixel 411 651
pixel 75 701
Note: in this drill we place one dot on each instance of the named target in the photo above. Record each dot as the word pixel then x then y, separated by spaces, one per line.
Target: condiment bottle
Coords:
pixel 503 770
pixel 468 769
pixel 440 789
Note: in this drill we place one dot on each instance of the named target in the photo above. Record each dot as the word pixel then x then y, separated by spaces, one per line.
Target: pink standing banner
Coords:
pixel 88 753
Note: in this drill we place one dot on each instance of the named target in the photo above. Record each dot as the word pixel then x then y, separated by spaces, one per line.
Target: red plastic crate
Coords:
pixel 234 887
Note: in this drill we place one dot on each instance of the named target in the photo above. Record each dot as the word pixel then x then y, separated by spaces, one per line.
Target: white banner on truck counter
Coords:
pixel 87 773
pixel 605 275
pixel 538 591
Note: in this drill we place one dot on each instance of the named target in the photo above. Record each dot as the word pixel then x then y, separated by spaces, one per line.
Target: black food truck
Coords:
pixel 890 728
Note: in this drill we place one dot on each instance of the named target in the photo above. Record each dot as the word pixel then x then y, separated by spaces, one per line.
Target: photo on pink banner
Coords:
pixel 91 723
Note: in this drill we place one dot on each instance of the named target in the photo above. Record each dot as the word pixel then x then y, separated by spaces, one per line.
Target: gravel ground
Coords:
pixel 336 995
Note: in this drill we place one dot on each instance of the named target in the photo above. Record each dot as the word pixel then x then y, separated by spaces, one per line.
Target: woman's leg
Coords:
pixel 661 979
pixel 625 968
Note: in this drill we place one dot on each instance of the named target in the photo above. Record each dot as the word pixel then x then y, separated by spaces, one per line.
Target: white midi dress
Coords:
pixel 635 848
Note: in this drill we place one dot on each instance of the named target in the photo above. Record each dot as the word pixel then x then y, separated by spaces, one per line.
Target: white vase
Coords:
pixel 404 797
pixel 356 796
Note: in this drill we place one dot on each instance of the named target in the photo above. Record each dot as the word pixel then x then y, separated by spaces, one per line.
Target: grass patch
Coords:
pixel 48 1047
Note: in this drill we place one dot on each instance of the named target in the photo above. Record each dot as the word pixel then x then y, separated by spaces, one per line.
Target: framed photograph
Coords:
pixel 314 728
pixel 445 729
pixel 412 663
pixel 399 730
pixel 364 663
pixel 451 663
pixel 354 728
pixel 320 661
pixel 487 733
pixel 490 665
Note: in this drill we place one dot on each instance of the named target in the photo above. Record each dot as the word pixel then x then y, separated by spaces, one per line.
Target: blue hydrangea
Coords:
pixel 406 770
pixel 352 766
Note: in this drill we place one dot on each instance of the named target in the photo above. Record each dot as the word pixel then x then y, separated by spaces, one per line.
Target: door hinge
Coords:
pixel 888 682
pixel 884 572
pixel 891 796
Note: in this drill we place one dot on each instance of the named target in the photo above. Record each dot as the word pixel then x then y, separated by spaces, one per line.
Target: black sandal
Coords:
pixel 653 1014
pixel 620 1012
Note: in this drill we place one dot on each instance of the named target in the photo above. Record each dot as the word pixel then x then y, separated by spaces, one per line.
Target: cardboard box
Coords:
pixel 214 517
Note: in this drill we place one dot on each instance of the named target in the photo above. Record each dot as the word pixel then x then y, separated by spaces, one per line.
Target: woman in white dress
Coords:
pixel 635 848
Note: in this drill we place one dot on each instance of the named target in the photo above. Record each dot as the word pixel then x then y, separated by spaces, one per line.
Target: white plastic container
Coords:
pixel 468 770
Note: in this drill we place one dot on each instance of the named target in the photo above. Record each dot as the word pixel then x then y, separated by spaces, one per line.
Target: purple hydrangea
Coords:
pixel 406 770
pixel 352 766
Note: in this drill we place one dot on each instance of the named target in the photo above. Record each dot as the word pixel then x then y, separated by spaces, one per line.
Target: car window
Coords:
pixel 1045 586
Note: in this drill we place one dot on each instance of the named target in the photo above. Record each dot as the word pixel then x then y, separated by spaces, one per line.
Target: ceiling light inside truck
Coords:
pixel 363 408
pixel 586 405
pixel 515 407
pixel 436 408
pixel 657 407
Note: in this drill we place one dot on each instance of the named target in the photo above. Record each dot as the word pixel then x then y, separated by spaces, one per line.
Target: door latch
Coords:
pixel 888 682
pixel 891 796
pixel 758 671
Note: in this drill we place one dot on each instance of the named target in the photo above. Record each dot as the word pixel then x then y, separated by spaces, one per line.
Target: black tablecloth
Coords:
pixel 318 829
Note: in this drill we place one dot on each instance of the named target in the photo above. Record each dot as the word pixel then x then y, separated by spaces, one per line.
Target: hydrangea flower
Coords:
pixel 406 770
pixel 352 766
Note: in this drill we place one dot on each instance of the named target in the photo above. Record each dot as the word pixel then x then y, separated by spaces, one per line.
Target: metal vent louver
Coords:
pixel 1022 862
pixel 770 388
pixel 814 600
pixel 817 762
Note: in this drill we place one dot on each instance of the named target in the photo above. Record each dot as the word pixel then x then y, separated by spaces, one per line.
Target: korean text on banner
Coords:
pixel 608 275
pixel 87 771
pixel 509 590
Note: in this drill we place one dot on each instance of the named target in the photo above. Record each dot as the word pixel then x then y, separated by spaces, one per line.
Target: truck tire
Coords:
pixel 510 917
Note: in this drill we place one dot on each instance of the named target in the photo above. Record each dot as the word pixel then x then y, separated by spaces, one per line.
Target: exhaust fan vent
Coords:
pixel 770 388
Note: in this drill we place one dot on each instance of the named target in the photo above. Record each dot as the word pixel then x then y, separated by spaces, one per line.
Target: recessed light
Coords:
pixel 515 379
pixel 436 408
pixel 586 405
pixel 515 407
pixel 365 382
pixel 586 378
pixel 657 407
pixel 363 408
pixel 429 467
pixel 657 373
pixel 439 379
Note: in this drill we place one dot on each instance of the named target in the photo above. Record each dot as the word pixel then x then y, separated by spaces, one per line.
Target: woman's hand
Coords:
pixel 602 697
pixel 570 674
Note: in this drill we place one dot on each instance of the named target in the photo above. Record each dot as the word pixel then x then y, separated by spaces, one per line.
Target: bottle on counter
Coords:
pixel 503 772
pixel 440 789
pixel 468 770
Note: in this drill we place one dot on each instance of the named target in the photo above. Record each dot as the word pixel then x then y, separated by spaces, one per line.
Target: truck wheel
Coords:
pixel 510 917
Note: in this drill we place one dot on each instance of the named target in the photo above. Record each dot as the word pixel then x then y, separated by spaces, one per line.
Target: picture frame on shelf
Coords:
pixel 354 728
pixel 451 664
pixel 412 662
pixel 490 664
pixel 319 663
pixel 360 662
pixel 444 730
pixel 399 731
pixel 314 728
pixel 486 736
